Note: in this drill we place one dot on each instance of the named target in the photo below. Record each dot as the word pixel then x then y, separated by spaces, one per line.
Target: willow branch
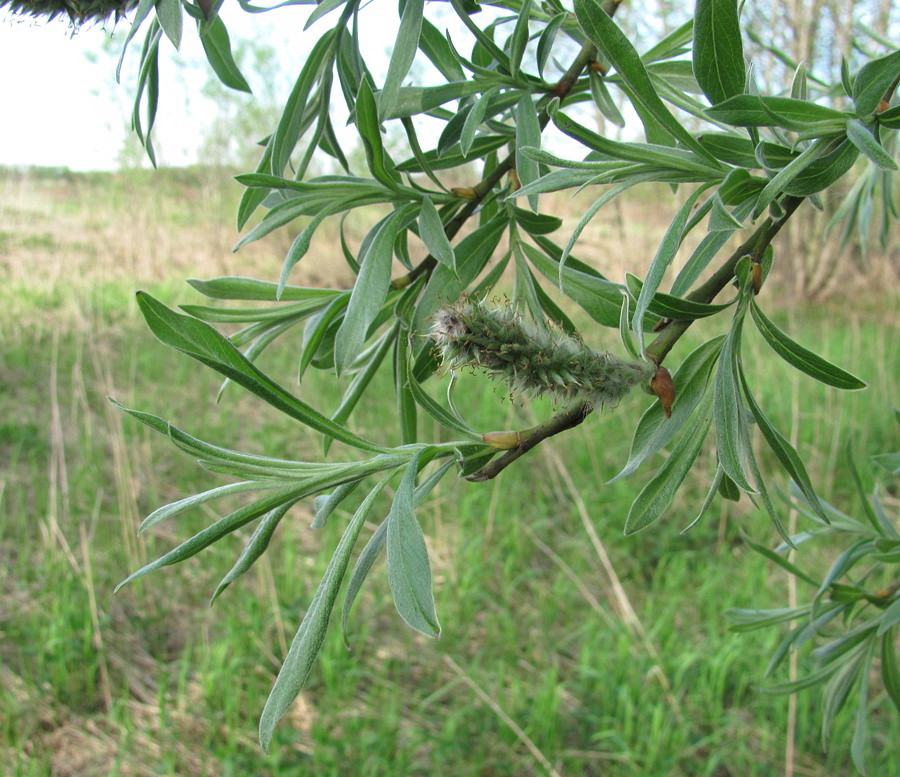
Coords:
pixel 562 421
pixel 753 247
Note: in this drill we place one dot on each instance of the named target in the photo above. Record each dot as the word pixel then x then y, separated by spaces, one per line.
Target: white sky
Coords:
pixel 62 106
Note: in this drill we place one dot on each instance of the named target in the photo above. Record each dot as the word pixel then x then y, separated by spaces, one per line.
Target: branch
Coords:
pixel 753 247
pixel 566 419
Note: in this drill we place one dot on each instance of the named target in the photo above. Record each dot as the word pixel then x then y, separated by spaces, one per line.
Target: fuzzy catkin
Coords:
pixel 78 11
pixel 534 360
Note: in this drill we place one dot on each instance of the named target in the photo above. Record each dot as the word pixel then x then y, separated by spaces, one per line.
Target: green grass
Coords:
pixel 152 681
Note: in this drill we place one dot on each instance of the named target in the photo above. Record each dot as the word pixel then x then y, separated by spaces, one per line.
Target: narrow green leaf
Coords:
pixel 668 247
pixel 217 47
pixel 528 134
pixel 431 230
pixel 801 358
pixel 865 141
pixel 655 497
pixel 175 508
pixel 380 166
pixel 255 547
pixel 221 528
pixel 601 299
pixel 309 637
pixel 780 560
pixel 718 49
pixel 546 41
pixel 604 33
pixel 402 56
pixel 751 620
pixel 435 47
pixel 326 504
pixel 783 450
pixel 728 408
pixel 361 568
pixel 519 39
pixel 200 341
pixel 890 673
pixel 251 289
pixel 873 80
pixel 171 19
pixel 406 403
pixel 474 118
pixel 369 291
pixel 750 110
pixel 409 573
pixel 604 101
pixel 674 308
pixel 472 253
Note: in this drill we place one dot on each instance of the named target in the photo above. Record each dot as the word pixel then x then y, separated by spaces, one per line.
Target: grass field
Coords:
pixel 567 648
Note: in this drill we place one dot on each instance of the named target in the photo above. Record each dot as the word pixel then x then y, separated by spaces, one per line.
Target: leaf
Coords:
pixel 175 508
pixel 435 47
pixel 406 403
pixel 664 254
pixel 409 573
pixel 369 291
pixel 606 35
pixel 255 547
pixel 751 620
pixel 326 504
pixel 251 289
pixel 750 110
pixel 309 637
pixel 890 674
pixel 601 299
pixel 604 101
pixel 674 308
pixel 728 409
pixel 546 41
pixel 654 430
pixel 221 528
pixel 474 118
pixel 718 50
pixel 200 341
pixel 361 569
pixel 287 133
pixel 171 19
pixel 519 39
pixel 217 47
pixel 655 497
pixel 783 451
pixel 861 137
pixel 370 134
pixel 801 358
pixel 780 560
pixel 404 51
pixel 528 134
pixel 873 80
pixel 431 230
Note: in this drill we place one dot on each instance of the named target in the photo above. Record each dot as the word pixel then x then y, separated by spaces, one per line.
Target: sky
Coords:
pixel 63 107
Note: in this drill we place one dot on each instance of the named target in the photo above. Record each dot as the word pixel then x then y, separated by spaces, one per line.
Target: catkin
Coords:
pixel 535 360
